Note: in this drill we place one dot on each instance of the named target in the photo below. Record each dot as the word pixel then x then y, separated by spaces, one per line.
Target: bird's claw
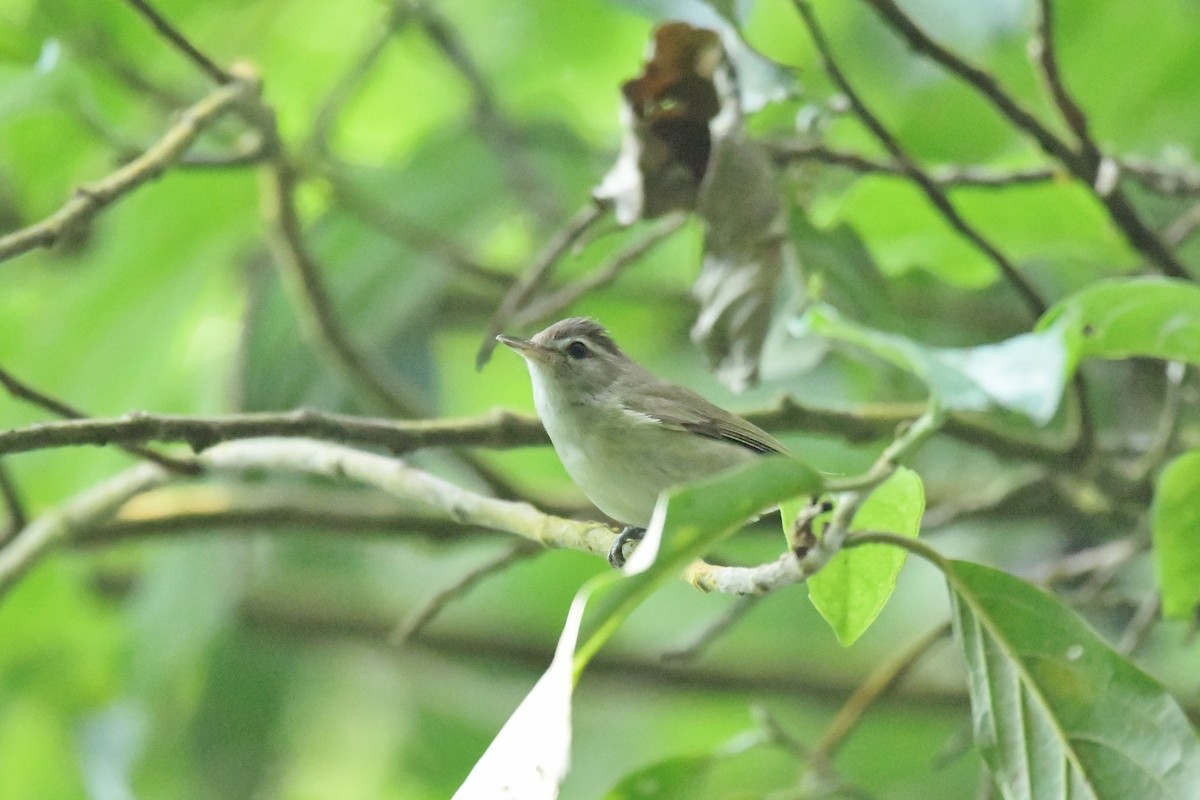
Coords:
pixel 628 536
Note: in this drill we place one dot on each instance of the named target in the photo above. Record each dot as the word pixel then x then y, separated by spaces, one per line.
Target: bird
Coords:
pixel 623 434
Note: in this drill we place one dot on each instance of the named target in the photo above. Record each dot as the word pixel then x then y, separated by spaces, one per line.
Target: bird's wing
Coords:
pixel 684 410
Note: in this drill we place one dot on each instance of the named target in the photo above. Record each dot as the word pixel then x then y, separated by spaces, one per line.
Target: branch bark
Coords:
pixel 90 199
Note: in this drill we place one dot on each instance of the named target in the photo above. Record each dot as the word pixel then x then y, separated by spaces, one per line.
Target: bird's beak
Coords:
pixel 525 348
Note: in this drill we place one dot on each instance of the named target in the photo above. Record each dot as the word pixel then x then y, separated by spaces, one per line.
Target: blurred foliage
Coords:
pixel 254 662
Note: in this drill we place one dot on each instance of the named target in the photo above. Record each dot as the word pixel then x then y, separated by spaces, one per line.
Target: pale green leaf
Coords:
pixel 1176 531
pixel 854 586
pixel 1026 373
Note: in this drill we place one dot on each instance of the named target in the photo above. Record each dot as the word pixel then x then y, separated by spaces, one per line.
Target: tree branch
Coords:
pixel 12 503
pixel 496 429
pixel 310 295
pixel 96 504
pixel 181 43
pixel 1042 51
pixel 882 680
pixel 795 567
pixel 415 623
pixel 946 176
pixel 553 304
pixel 539 272
pixel 88 200
pixel 494 127
pixel 932 190
pixel 23 391
pixel 1101 174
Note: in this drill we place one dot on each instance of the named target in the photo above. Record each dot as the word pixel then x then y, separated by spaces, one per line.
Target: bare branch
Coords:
pixel 90 199
pixel 795 567
pixel 538 274
pixel 981 80
pixel 882 680
pixel 553 304
pixel 932 190
pixel 13 504
pixel 1175 182
pixel 411 233
pixel 302 275
pixel 1184 226
pixel 496 429
pixel 493 126
pixel 713 630
pixel 1140 623
pixel 23 391
pixel 415 623
pixel 181 43
pixel 416 489
pixel 1042 51
pixel 348 84
pixel 1097 172
pixel 96 504
pixel 946 176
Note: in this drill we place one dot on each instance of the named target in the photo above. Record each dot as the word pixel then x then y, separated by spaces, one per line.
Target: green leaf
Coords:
pixel 1056 712
pixel 854 586
pixel 1026 373
pixel 1123 317
pixel 1175 528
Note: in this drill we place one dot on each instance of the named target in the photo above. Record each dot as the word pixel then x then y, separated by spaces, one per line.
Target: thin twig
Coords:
pixel 946 176
pixel 1042 51
pixel 343 90
pixel 1181 182
pixel 317 313
pixel 932 190
pixel 96 504
pixel 882 680
pixel 794 567
pixel 713 630
pixel 981 80
pixel 494 127
pixel 12 503
pixel 1183 227
pixel 395 225
pixel 1140 623
pixel 1165 428
pixel 496 429
pixel 181 43
pixel 552 304
pixel 540 271
pixel 88 200
pixel 23 391
pixel 413 625
pixel 1096 173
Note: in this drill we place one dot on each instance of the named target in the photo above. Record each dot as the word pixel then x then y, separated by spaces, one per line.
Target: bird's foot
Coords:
pixel 629 536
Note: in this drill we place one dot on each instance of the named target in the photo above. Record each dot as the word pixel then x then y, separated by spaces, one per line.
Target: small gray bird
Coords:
pixel 623 434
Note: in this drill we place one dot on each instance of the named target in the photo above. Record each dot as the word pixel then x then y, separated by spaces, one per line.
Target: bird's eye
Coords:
pixel 578 349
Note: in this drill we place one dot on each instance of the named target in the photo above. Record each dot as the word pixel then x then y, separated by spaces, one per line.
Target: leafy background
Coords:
pixel 255 663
